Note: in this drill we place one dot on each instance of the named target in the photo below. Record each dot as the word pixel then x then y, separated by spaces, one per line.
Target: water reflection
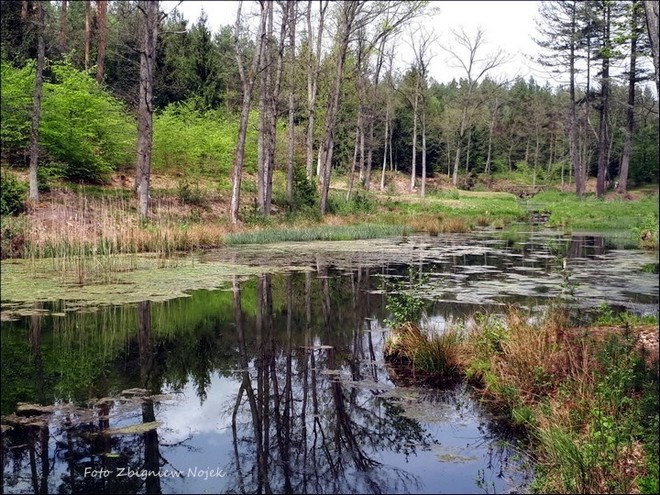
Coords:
pixel 278 386
pixel 275 384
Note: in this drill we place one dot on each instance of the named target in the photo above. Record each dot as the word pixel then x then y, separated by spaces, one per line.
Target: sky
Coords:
pixel 509 25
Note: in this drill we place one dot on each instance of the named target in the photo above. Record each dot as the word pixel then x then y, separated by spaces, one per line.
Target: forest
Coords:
pixel 308 91
pixel 284 253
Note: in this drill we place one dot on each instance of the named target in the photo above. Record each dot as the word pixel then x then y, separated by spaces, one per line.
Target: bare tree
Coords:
pixel 292 12
pixel 622 186
pixel 468 56
pixel 248 80
pixel 351 17
pixel 149 32
pixel 102 19
pixel 40 20
pixel 421 44
pixel 313 68
pixel 348 16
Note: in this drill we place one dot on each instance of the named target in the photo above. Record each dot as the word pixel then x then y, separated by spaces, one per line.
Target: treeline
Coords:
pixel 311 88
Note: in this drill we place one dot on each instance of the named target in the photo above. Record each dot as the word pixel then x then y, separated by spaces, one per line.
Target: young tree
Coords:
pixel 150 20
pixel 248 80
pixel 40 21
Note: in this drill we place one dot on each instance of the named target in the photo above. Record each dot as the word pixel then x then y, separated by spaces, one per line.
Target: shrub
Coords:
pixel 12 197
pixel 82 126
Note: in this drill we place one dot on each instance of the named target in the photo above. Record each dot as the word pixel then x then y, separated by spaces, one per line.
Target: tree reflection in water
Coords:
pixel 308 415
pixel 301 429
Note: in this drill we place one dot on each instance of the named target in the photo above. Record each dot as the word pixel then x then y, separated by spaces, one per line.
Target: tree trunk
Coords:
pixel 490 138
pixel 292 10
pixel 24 10
pixel 348 13
pixel 603 131
pixel 622 186
pixel 312 82
pixel 652 8
pixel 413 166
pixel 423 122
pixel 351 172
pixel 87 4
pixel 36 103
pixel 385 141
pixel 457 160
pixel 247 83
pixel 64 20
pixel 149 10
pixel 102 18
pixel 573 127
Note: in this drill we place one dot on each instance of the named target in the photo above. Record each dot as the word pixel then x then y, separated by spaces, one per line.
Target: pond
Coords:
pixel 275 382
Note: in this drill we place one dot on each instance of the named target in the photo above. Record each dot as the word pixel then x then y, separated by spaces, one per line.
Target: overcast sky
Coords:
pixel 509 25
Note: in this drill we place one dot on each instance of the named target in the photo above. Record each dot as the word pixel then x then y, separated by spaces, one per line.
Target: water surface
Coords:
pixel 277 383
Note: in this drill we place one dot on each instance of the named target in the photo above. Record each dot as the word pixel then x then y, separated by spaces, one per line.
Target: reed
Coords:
pixel 319 233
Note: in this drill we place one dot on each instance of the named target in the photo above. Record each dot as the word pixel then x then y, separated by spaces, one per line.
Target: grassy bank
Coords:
pixel 88 220
pixel 586 397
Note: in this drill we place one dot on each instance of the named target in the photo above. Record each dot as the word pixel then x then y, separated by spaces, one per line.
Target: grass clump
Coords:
pixel 318 233
pixel 438 355
pixel 587 398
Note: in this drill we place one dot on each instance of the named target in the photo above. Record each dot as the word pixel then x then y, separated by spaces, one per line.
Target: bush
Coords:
pixel 12 197
pixel 82 126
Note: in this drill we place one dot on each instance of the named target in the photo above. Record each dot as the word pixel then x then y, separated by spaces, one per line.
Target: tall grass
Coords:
pixel 91 239
pixel 318 233
pixel 439 354
pixel 581 395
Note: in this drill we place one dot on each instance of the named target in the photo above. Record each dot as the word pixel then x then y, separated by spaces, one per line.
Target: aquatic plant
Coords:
pixel 321 232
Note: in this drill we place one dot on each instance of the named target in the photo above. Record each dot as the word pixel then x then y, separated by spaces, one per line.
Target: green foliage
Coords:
pixel 16 106
pixel 15 232
pixel 192 195
pixel 12 194
pixel 320 233
pixel 199 142
pixel 590 213
pixel 82 127
pixel 360 202
pixel 403 300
